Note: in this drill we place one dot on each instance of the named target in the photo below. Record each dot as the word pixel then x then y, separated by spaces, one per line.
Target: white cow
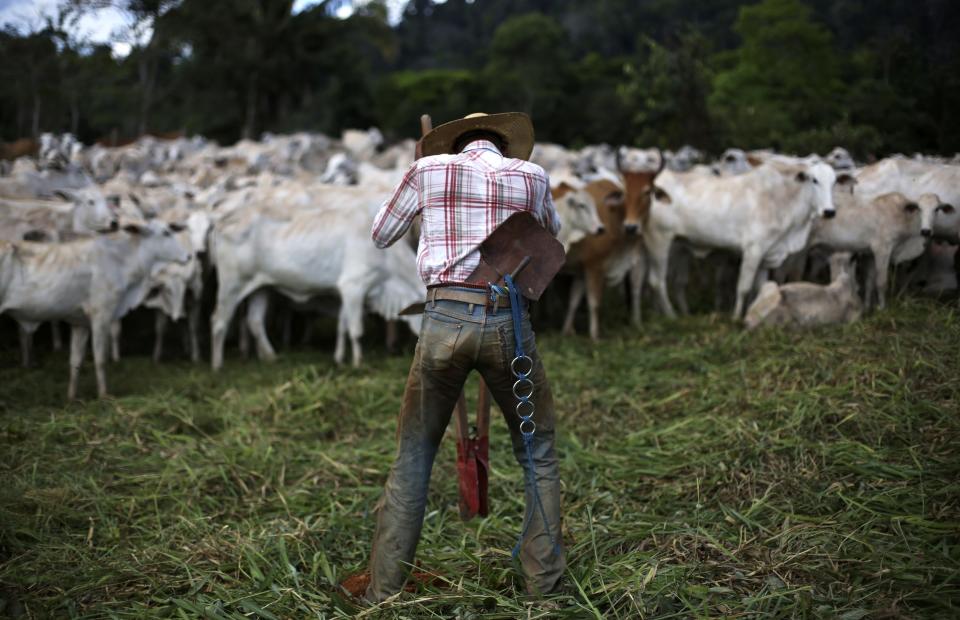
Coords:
pixel 578 214
pixel 881 225
pixel 318 249
pixel 733 162
pixel 765 215
pixel 840 159
pixel 88 283
pixel 80 212
pixel 362 144
pixel 176 289
pixel 803 304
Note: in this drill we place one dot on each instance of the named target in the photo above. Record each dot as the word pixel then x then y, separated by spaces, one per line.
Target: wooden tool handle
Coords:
pixel 426 125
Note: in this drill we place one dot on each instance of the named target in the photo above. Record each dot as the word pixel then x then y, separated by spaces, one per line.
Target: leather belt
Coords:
pixel 479 298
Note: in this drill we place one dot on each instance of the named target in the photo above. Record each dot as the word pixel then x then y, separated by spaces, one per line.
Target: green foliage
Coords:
pixel 799 75
pixel 403 96
pixel 706 472
pixel 667 92
pixel 527 71
pixel 785 78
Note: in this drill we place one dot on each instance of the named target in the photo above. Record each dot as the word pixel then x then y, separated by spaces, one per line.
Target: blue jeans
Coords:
pixel 456 338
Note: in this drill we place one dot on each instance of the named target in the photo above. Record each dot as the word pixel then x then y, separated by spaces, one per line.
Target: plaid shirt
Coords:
pixel 462 199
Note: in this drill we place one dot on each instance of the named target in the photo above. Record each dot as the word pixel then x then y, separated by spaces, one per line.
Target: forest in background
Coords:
pixel 876 76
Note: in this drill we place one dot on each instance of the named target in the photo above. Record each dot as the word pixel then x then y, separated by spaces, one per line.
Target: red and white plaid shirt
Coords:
pixel 462 198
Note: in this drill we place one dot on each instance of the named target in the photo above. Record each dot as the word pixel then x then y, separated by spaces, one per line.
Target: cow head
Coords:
pixel 925 211
pixel 91 211
pixel 819 179
pixel 638 186
pixel 341 170
pixel 846 182
pixel 578 213
pixel 839 158
pixel 733 161
pixel 161 240
pixel 198 223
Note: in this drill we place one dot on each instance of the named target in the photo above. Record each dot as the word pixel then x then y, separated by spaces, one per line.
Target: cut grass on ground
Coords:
pixel 706 473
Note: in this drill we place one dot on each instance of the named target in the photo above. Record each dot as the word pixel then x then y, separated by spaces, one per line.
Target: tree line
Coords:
pixel 796 75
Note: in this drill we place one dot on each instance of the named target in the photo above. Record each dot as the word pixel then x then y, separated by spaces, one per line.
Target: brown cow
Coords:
pixel 604 258
pixel 24 147
pixel 638 185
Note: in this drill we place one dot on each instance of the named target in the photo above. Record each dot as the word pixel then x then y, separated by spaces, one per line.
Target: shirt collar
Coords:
pixel 481 145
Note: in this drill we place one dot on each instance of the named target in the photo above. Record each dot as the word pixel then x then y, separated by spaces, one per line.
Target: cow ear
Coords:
pixel 845 179
pixel 911 207
pixel 754 161
pixel 64 195
pixel 947 208
pixel 802 177
pixel 133 229
pixel 614 199
pixel 561 190
pixel 661 195
pixel 177 227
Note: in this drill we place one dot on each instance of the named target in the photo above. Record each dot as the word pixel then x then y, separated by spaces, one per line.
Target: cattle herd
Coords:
pixel 88 234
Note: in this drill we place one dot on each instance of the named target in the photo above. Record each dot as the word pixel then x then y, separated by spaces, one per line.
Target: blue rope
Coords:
pixel 524 404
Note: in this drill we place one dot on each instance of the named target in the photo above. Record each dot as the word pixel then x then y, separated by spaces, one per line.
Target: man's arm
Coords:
pixel 548 212
pixel 397 213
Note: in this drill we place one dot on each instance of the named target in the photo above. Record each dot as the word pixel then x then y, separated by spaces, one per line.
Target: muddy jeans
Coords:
pixel 456 338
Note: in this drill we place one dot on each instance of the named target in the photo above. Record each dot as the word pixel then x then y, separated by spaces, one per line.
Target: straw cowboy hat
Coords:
pixel 515 128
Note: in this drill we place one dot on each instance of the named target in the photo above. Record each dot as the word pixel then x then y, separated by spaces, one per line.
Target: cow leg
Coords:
pixel 637 275
pixel 658 251
pixel 748 274
pixel 596 280
pixel 577 289
pixel 243 335
pixel 881 263
pixel 351 321
pixel 340 350
pixel 159 328
pixel 762 277
pixel 56 335
pixel 393 335
pixel 724 282
pixel 193 326
pixel 286 320
pixel 101 349
pixel 26 331
pixel 227 301
pixel 307 332
pixel 679 274
pixel 256 322
pixel 79 337
pixel 115 331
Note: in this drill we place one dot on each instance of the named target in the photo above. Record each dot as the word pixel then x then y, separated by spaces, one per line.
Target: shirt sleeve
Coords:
pixel 548 212
pixel 397 213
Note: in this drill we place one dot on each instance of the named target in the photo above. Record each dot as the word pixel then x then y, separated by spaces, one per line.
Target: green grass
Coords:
pixel 706 473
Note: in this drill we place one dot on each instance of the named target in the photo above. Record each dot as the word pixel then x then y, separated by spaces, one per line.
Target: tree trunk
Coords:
pixel 74 113
pixel 143 68
pixel 249 124
pixel 35 119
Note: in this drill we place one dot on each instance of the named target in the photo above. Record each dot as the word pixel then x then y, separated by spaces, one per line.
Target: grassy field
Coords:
pixel 706 473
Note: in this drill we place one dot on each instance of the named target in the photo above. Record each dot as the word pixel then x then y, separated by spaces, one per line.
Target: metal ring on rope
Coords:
pixel 521 358
pixel 532 427
pixel 519 385
pixel 521 404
